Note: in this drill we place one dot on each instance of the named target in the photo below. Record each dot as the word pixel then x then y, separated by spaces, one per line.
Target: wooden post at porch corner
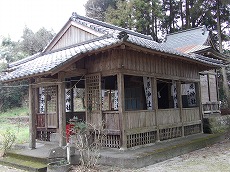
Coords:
pixel 32 117
pixel 122 118
pixel 155 104
pixel 61 109
pixel 180 104
pixel 199 102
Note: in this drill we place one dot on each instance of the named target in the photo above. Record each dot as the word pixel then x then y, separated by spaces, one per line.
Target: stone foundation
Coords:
pixel 216 124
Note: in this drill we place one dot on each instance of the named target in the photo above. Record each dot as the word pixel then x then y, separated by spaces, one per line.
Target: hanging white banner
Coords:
pixel 41 100
pixel 189 90
pixel 148 92
pixel 102 99
pixel 68 100
pixel 191 93
pixel 116 100
pixel 174 94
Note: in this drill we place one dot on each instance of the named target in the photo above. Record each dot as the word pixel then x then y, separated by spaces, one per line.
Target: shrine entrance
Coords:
pixel 47 116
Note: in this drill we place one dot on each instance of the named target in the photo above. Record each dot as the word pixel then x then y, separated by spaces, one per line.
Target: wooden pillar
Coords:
pixel 61 109
pixel 199 103
pixel 155 104
pixel 121 108
pixel 208 82
pixel 32 118
pixel 179 95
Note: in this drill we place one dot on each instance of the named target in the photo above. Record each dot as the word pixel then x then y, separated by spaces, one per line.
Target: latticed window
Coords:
pixel 48 99
pixel 93 92
pixel 79 99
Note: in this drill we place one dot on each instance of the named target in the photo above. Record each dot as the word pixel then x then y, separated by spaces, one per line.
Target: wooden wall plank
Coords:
pixel 141 63
pixel 213 88
pixel 72 36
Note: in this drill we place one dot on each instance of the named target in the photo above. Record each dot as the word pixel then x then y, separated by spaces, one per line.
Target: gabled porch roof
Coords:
pixel 190 40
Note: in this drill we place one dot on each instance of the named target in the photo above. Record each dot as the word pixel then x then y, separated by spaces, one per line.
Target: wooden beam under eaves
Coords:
pixel 80 56
pixel 76 72
pixel 150 51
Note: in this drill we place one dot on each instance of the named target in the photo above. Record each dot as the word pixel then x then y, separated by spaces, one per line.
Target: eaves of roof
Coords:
pixel 51 62
pixel 24 60
pixel 164 49
pixel 46 62
pixel 192 48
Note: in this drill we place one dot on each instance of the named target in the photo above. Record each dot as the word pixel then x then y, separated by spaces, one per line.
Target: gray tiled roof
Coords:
pixel 44 63
pixel 190 40
pixel 103 27
pixel 162 48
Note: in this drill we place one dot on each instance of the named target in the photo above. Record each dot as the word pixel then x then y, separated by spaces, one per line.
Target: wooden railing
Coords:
pixel 111 120
pixel 49 120
pixel 168 116
pixel 211 107
pixel 191 114
pixel 40 121
pixel 142 128
pixel 140 119
pixel 145 120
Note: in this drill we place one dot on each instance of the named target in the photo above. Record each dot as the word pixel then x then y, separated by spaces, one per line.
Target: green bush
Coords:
pixel 8 139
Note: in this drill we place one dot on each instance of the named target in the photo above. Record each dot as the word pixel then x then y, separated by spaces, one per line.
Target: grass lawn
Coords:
pixel 20 129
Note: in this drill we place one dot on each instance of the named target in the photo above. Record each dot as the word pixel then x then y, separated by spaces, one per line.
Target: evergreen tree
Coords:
pixel 121 15
pixel 33 43
pixel 171 15
pixel 142 16
pixel 11 51
pixel 96 8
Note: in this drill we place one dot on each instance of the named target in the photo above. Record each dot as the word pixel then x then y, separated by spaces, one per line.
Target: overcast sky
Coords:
pixel 51 14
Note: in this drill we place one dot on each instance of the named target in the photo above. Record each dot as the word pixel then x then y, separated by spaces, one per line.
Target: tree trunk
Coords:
pixel 223 70
pixel 170 16
pixel 181 14
pixel 187 15
pixel 156 37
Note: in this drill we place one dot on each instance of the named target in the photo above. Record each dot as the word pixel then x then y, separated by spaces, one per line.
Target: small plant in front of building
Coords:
pixel 89 139
pixel 8 139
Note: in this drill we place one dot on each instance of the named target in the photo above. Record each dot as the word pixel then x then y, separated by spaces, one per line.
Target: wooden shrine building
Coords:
pixel 143 91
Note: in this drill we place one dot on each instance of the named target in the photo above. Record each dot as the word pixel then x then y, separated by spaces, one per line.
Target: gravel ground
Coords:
pixel 215 158
pixel 9 169
pixel 211 159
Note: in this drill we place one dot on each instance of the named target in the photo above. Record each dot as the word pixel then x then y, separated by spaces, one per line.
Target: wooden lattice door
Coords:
pixel 93 99
pixel 48 106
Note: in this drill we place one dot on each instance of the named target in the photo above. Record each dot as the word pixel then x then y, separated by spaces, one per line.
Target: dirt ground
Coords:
pixel 215 158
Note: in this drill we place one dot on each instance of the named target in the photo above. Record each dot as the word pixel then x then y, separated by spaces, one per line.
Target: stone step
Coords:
pixel 24 162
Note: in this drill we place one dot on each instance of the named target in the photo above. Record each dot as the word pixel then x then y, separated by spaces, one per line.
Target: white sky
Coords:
pixel 35 14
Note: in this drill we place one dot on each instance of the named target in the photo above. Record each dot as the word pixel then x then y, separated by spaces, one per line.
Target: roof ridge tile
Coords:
pixel 75 16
